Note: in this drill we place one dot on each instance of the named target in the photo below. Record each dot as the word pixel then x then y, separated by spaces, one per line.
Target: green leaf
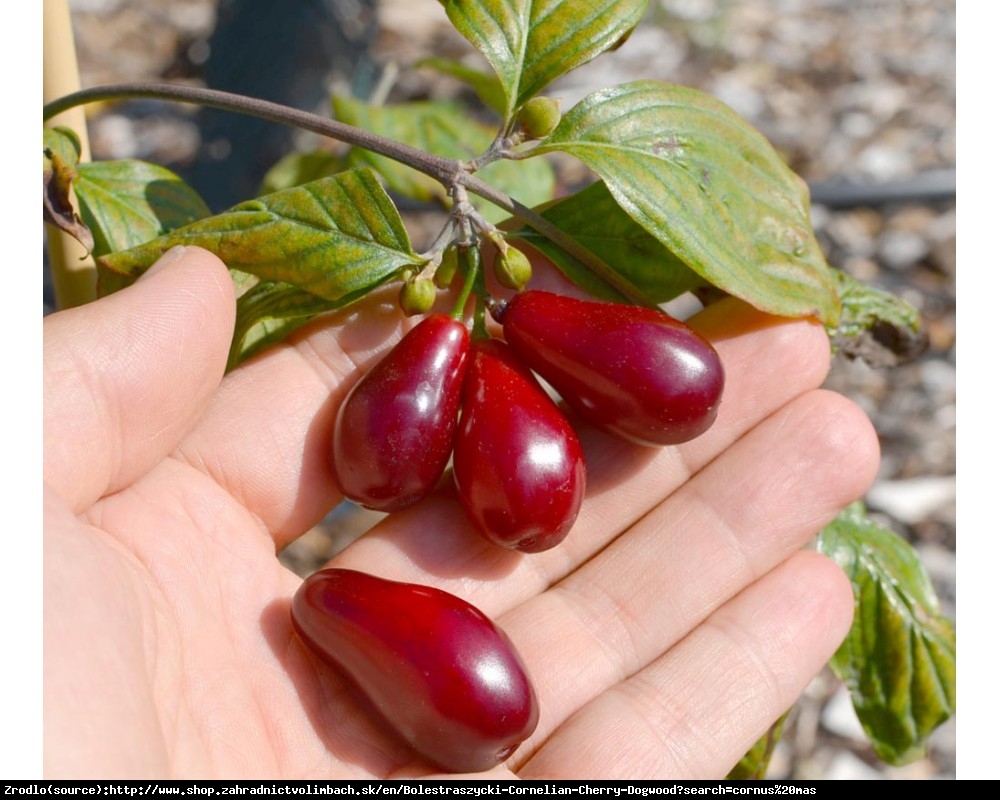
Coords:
pixel 486 85
pixel 753 765
pixel 710 187
pixel 298 168
pixel 899 658
pixel 530 43
pixel 875 326
pixel 333 238
pixel 436 127
pixel 270 310
pixel 593 218
pixel 60 158
pixel 127 203
pixel 445 130
pixel 62 143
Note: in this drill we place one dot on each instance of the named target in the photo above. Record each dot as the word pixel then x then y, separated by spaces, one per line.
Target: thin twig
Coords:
pixel 438 167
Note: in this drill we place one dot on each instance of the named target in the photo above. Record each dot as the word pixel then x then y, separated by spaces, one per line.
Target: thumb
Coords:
pixel 127 376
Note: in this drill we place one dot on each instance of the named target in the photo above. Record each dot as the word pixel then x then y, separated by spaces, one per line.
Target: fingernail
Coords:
pixel 175 253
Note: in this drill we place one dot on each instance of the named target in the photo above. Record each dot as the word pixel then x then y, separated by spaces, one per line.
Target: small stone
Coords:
pixel 839 717
pixel 900 250
pixel 914 499
pixel 846 766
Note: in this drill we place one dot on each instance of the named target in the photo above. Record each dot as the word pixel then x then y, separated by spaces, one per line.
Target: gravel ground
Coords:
pixel 858 96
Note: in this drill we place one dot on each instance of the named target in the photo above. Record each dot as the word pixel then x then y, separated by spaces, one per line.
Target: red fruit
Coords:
pixel 518 465
pixel 395 430
pixel 438 671
pixel 635 372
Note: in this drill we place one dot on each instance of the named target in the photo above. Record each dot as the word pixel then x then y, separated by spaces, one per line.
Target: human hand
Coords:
pixel 675 623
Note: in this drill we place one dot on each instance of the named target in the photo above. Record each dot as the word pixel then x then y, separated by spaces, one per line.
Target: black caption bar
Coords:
pixel 407 788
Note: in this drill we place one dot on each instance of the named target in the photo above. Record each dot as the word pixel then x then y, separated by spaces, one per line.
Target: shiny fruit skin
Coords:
pixel 437 670
pixel 518 464
pixel 394 431
pixel 635 372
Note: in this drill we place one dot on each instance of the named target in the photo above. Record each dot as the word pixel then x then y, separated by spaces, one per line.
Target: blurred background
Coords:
pixel 858 95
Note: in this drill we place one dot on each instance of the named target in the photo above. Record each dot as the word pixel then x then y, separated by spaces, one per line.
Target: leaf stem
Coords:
pixel 469 258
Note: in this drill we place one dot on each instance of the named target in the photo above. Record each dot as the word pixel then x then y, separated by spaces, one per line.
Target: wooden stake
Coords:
pixel 73 270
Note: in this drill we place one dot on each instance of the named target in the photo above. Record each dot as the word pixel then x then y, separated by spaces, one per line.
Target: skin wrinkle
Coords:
pixel 90 549
pixel 212 693
pixel 76 368
pixel 155 622
pixel 384 333
pixel 743 571
pixel 620 668
pixel 248 486
pixel 731 639
pixel 830 434
pixel 109 375
pixel 233 683
pixel 670 726
pixel 300 350
pixel 141 336
pixel 213 469
pixel 590 624
pixel 719 706
pixel 276 730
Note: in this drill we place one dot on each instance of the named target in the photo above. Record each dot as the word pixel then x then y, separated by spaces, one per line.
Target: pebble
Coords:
pixel 840 718
pixel 845 766
pixel 900 250
pixel 915 499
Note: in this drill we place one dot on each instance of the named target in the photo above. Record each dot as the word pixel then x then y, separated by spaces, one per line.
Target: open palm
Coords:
pixel 676 622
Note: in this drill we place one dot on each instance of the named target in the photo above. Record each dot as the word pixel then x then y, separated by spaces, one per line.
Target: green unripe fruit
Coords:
pixel 446 270
pixel 417 296
pixel 538 117
pixel 513 269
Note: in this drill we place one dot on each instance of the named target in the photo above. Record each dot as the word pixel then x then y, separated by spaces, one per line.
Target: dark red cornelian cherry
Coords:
pixel 518 464
pixel 634 372
pixel 395 430
pixel 441 675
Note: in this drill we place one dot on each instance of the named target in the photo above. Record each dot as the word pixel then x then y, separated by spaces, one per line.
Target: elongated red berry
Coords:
pixel 395 430
pixel 518 464
pixel 438 672
pixel 635 372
